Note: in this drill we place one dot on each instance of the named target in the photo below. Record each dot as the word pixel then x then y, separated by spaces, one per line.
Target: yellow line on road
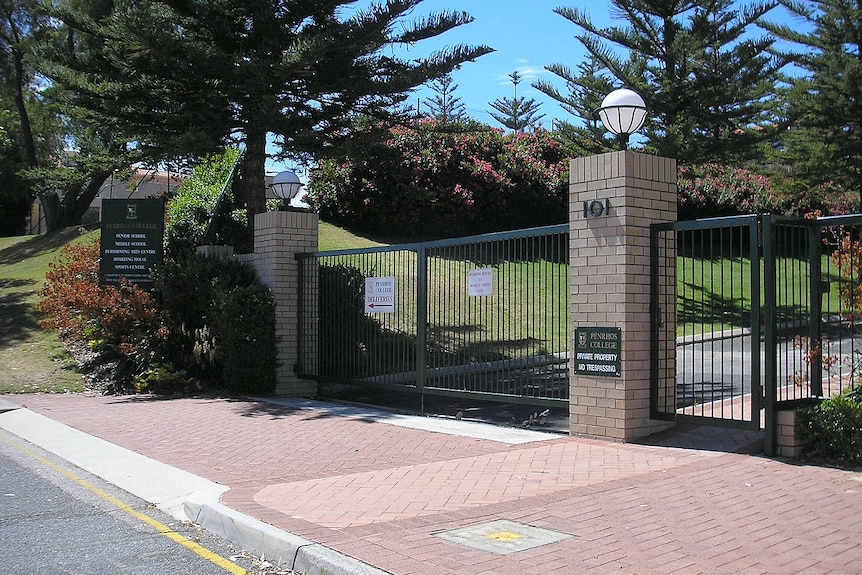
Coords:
pixel 163 529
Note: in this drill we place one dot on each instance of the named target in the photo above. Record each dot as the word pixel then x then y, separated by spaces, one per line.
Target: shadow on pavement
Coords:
pixel 684 436
pixel 708 438
pixel 467 409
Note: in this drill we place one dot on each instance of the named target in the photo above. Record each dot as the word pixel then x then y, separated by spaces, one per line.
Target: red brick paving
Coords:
pixel 380 493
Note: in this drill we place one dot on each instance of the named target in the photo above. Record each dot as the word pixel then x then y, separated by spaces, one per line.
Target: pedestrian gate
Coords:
pixel 763 311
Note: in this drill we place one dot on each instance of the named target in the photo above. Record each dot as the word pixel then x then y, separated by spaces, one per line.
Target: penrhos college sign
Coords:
pixel 131 244
pixel 598 351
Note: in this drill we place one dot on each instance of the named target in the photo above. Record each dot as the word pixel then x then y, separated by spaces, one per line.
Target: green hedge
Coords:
pixel 245 327
pixel 225 320
pixel 834 427
pixel 190 210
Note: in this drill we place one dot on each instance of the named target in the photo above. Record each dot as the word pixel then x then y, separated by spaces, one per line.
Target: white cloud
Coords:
pixel 528 73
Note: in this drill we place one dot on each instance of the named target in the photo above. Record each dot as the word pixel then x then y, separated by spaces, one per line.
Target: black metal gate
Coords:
pixel 485 316
pixel 763 312
pixel 706 305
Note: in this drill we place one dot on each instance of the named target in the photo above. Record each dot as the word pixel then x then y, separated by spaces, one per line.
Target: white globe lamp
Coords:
pixel 622 113
pixel 285 186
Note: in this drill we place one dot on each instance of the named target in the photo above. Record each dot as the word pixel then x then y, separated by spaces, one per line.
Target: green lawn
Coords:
pixel 715 294
pixel 526 313
pixel 331 237
pixel 31 359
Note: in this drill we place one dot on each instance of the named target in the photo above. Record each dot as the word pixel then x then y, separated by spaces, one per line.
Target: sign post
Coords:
pixel 131 244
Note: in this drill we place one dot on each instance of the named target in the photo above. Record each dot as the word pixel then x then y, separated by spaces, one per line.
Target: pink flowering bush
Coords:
pixel 424 182
pixel 711 190
pixel 827 199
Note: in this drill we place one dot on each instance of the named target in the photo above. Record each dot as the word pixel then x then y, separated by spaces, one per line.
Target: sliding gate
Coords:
pixel 765 311
pixel 485 316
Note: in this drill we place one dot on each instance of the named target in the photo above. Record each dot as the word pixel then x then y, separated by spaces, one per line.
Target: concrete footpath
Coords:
pixel 326 488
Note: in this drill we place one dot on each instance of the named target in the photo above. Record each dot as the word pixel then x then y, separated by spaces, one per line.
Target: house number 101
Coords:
pixel 597 208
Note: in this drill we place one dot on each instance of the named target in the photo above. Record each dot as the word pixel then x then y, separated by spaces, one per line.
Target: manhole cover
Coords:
pixel 503 536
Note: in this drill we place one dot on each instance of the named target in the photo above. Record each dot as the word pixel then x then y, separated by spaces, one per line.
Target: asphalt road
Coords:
pixel 56 519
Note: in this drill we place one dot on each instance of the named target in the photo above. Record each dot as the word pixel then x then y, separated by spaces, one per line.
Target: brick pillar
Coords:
pixel 278 237
pixel 622 194
pixel 789 444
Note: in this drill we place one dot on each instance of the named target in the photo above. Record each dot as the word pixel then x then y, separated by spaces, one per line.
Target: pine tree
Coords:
pixel 37 128
pixel 707 85
pixel 516 113
pixel 187 77
pixel 586 89
pixel 445 106
pixel 824 104
pixel 44 124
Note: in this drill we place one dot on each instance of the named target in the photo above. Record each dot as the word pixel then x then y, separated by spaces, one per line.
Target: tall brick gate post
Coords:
pixel 278 237
pixel 613 199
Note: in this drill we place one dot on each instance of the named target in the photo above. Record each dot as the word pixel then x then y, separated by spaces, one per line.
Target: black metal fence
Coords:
pixel 817 295
pixel 486 316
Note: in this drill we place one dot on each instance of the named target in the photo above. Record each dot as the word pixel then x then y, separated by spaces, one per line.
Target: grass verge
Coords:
pixel 32 359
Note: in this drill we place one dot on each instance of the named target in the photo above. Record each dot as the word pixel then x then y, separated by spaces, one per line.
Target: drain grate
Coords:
pixel 503 537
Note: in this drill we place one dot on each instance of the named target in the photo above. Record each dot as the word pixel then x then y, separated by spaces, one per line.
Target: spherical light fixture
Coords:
pixel 285 185
pixel 622 113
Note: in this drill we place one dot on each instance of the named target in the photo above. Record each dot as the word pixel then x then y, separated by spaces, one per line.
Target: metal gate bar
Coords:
pixel 817 308
pixel 796 336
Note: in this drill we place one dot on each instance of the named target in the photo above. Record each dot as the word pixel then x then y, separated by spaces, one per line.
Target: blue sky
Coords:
pixel 527 36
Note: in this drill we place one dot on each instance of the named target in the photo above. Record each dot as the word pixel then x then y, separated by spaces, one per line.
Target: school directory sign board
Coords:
pixel 131 244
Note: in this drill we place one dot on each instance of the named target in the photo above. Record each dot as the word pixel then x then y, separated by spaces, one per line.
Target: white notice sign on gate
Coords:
pixel 480 282
pixel 380 295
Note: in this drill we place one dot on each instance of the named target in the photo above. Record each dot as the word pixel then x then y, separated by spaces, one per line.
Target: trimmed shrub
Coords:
pixel 827 199
pixel 358 346
pixel 226 321
pixel 834 427
pixel 159 378
pixel 343 326
pixel 119 321
pixel 427 182
pixel 188 286
pixel 712 190
pixel 245 326
pixel 215 323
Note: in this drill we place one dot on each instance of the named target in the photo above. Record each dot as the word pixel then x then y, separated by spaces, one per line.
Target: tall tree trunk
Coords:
pixel 71 209
pixel 50 202
pixel 28 143
pixel 254 174
pixel 77 206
